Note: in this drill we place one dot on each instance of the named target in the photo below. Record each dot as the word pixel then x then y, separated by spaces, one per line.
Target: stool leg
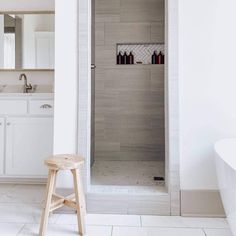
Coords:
pixel 46 210
pixel 54 190
pixel 79 196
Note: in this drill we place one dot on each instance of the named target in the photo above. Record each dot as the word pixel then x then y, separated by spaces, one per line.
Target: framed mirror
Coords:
pixel 27 41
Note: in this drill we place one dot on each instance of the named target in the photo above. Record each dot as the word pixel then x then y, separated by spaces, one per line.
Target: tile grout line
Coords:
pixel 141 222
pixel 21 229
pixel 57 219
pixel 112 227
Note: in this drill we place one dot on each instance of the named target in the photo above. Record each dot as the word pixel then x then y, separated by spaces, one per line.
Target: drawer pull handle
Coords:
pixel 8 123
pixel 46 106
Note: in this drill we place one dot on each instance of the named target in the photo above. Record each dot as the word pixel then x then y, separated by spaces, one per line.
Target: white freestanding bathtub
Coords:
pixel 226 172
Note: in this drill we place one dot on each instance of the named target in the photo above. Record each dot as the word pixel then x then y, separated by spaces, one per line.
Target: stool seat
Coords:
pixel 64 162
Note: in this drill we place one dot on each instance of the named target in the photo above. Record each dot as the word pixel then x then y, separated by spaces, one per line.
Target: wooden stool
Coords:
pixel 55 201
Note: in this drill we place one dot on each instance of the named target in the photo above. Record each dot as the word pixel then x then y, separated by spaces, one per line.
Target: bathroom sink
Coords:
pixel 12 89
pixel 20 89
pixel 42 89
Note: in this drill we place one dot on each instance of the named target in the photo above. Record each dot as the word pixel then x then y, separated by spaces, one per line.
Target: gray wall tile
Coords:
pixel 142 10
pixel 105 56
pixel 127 33
pixel 107 18
pixel 129 102
pixel 107 6
pixel 158 32
pixel 99 33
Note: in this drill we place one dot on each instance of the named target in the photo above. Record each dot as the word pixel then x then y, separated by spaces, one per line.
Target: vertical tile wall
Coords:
pixel 129 100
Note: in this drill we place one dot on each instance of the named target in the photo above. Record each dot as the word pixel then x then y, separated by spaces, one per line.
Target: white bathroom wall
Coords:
pixel 207 50
pixel 27 5
pixel 66 77
pixel 1 41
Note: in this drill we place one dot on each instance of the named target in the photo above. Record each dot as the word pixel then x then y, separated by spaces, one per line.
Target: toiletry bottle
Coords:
pixel 119 59
pixel 122 58
pixel 128 59
pixel 163 58
pixel 159 58
pixel 125 56
pixel 154 58
pixel 131 58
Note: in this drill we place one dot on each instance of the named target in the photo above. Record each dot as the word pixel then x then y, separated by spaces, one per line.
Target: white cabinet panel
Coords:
pixel 12 107
pixel 28 142
pixel 2 144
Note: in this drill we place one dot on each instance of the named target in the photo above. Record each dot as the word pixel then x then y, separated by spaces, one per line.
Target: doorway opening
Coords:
pixel 128 96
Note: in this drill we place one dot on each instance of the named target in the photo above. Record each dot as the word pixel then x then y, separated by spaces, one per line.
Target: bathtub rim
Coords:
pixel 224 153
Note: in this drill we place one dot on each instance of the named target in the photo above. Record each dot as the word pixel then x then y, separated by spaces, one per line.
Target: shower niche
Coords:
pixel 141 52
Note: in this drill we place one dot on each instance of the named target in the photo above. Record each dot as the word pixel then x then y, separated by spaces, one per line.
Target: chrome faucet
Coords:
pixel 27 87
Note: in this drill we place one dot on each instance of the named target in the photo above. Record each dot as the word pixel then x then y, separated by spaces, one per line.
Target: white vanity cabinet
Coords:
pixel 28 142
pixel 2 144
pixel 26 136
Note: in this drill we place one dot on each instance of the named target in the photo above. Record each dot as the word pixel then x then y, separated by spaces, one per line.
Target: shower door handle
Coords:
pixel 93 67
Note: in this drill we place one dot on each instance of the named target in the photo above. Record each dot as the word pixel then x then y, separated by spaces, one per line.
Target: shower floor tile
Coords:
pixel 127 173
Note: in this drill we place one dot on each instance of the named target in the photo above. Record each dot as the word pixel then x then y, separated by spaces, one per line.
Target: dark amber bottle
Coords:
pixel 159 58
pixel 163 59
pixel 131 58
pixel 154 58
pixel 128 59
pixel 119 59
pixel 125 58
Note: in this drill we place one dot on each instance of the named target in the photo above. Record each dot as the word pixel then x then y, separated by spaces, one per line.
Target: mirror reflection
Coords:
pixel 27 41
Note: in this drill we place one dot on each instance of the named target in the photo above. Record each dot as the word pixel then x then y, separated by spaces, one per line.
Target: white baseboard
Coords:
pixel 20 180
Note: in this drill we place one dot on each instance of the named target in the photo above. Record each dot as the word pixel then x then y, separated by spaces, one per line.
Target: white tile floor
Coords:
pixel 20 211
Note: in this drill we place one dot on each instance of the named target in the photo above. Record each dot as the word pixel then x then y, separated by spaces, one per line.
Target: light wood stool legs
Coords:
pixel 49 193
pixel 79 197
pixel 55 201
pixel 54 191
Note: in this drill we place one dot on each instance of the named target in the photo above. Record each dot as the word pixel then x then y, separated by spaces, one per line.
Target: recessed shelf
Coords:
pixel 140 66
pixel 134 66
pixel 142 51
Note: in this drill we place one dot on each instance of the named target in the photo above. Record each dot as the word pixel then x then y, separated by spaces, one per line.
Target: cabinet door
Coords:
pixel 2 142
pixel 28 142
